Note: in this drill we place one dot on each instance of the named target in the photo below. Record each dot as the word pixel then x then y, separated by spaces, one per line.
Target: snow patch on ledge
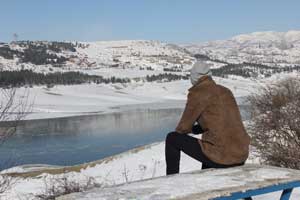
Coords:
pixel 205 184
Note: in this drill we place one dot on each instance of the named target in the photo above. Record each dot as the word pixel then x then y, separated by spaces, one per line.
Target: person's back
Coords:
pixel 224 142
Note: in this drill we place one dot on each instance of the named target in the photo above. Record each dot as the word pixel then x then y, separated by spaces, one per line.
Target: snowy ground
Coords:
pixel 62 101
pixel 137 164
pixel 200 185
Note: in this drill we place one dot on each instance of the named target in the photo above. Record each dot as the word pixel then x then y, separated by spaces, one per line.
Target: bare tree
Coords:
pixel 275 125
pixel 12 110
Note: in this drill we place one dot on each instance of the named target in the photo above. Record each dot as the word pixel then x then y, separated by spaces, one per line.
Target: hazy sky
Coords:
pixel 179 21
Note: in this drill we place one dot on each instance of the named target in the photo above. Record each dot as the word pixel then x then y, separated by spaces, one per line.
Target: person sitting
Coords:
pixel 211 110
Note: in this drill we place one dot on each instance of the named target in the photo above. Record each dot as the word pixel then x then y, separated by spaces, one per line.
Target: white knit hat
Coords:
pixel 200 69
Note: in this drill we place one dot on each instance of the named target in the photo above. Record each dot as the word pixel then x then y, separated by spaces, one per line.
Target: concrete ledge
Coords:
pixel 200 185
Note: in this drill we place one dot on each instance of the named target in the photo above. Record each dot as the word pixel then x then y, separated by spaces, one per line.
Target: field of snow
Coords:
pixel 137 164
pixel 62 101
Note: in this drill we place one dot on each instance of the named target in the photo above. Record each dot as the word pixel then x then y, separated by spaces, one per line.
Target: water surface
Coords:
pixel 75 140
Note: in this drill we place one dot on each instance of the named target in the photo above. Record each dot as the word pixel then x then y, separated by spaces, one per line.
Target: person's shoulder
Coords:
pixel 223 87
pixel 206 83
pixel 202 91
pixel 224 90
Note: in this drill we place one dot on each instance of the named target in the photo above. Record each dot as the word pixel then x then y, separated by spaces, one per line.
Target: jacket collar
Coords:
pixel 203 81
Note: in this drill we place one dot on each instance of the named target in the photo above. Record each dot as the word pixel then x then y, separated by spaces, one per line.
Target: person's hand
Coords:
pixel 197 129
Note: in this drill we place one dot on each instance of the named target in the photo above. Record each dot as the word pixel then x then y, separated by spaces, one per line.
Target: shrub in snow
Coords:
pixel 275 124
pixel 6 182
pixel 58 186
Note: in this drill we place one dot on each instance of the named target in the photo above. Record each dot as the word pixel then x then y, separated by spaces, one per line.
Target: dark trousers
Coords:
pixel 176 142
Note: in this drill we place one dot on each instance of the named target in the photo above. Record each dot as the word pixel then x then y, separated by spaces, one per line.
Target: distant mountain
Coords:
pixel 43 56
pixel 268 48
pixel 42 62
pixel 255 55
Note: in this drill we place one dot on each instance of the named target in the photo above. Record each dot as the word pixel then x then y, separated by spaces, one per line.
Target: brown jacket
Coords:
pixel 224 140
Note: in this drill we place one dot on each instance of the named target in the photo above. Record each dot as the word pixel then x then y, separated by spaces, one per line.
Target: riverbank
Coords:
pixel 89 99
pixel 136 164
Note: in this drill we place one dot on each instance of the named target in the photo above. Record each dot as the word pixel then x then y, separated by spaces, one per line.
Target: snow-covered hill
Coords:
pixel 270 48
pixel 132 58
pixel 255 55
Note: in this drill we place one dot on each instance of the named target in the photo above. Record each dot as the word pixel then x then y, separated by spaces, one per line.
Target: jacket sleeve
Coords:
pixel 193 109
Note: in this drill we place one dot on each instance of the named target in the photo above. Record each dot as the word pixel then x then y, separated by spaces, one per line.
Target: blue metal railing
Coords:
pixel 286 189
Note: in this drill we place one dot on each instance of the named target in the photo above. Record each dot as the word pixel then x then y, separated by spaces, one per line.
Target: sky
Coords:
pixel 176 21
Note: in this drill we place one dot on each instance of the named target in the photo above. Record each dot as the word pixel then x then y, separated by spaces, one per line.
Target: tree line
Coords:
pixel 29 78
pixel 251 70
pixel 166 77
